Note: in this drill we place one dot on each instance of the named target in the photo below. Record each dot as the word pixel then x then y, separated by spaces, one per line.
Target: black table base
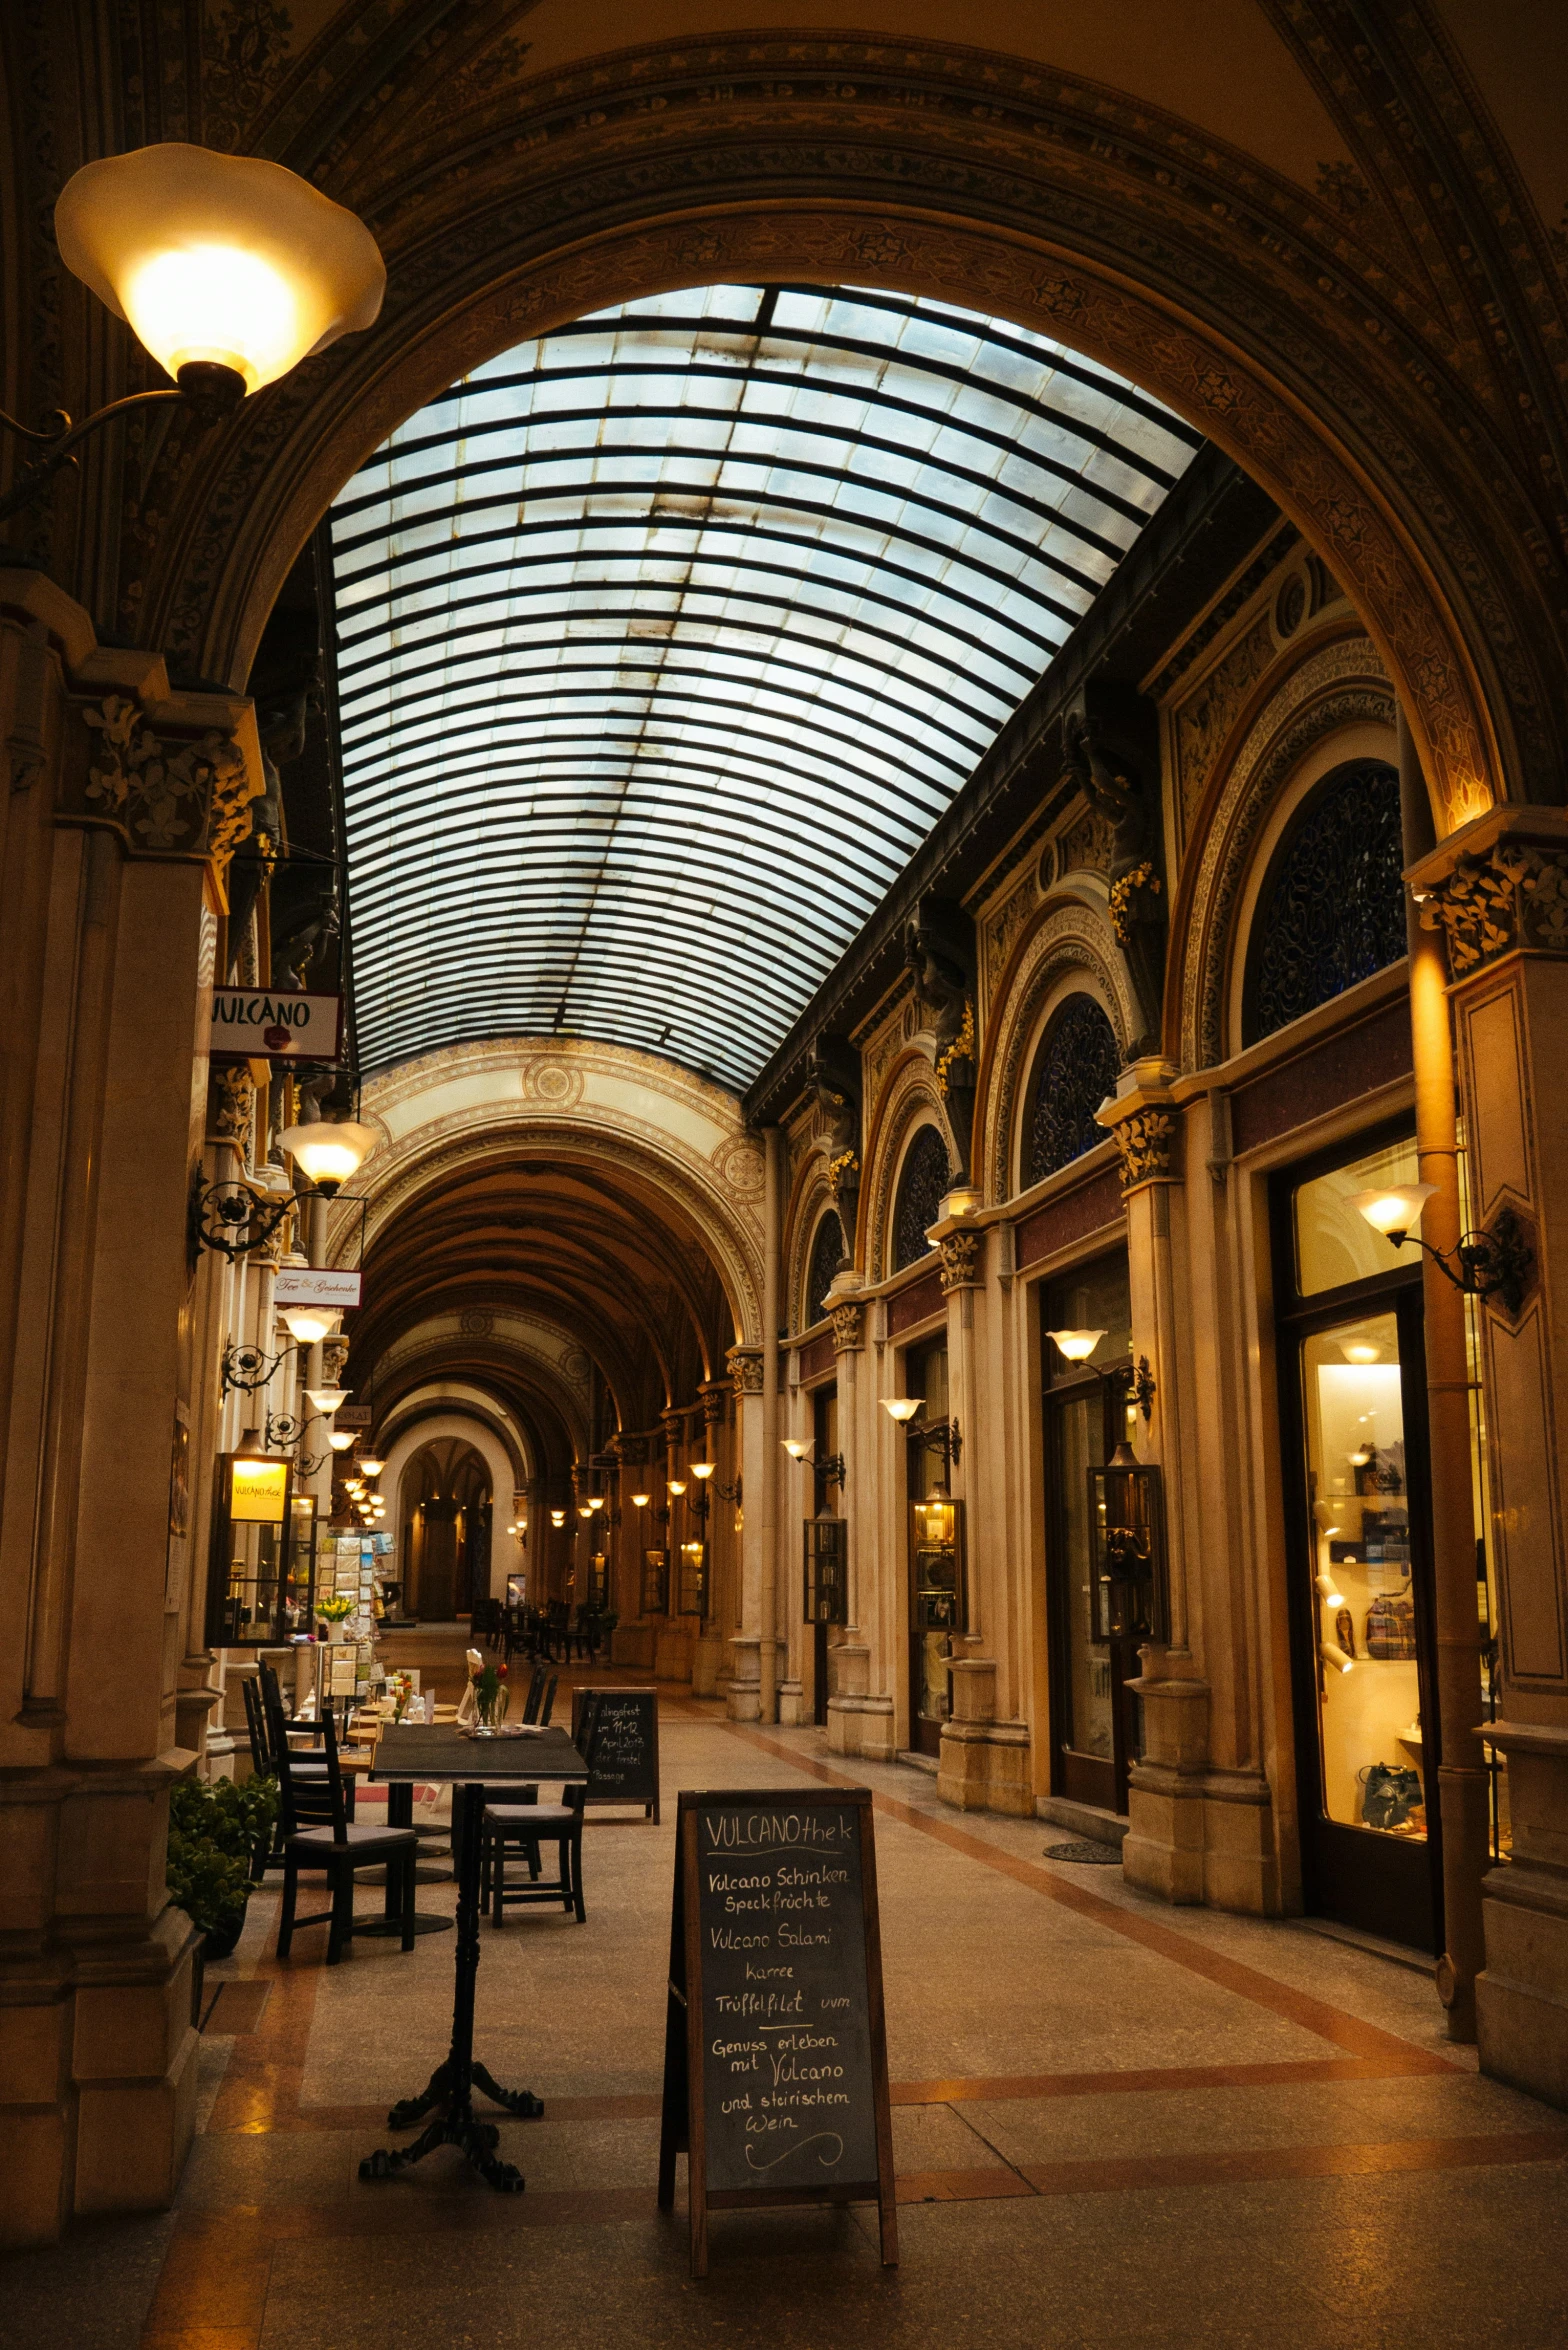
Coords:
pixel 400 1814
pixel 450 2089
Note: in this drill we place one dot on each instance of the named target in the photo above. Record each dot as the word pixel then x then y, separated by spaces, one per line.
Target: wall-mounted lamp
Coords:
pixel 342 1439
pixel 228 270
pixel 640 1501
pixel 941 1436
pixel 558 1517
pixel 1076 1346
pixel 1335 1658
pixel 595 1504
pixel 676 1486
pixel 830 1468
pixel 327 1153
pixel 1498 1263
pixel 327 1399
pixel 308 1325
pixel 247 1369
pixel 371 1463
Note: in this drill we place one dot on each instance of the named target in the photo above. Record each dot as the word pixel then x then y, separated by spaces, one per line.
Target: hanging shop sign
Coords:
pixel 275 1024
pixel 775 2059
pixel 315 1285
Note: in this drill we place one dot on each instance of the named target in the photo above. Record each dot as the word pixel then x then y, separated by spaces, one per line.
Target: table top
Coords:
pixel 409 1750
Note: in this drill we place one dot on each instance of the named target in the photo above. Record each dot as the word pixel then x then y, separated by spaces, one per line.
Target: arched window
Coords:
pixel 1332 909
pixel 922 1185
pixel 827 1254
pixel 1077 1065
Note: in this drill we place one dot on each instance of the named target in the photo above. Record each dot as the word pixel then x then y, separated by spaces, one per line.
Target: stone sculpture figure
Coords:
pixel 835 1080
pixel 944 989
pixel 1111 783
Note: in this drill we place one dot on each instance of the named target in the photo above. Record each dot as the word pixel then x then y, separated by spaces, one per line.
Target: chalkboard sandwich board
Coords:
pixel 775 2054
pixel 618 1731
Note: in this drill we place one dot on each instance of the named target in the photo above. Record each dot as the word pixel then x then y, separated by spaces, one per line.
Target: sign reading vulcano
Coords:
pixel 775 2054
pixel 274 1023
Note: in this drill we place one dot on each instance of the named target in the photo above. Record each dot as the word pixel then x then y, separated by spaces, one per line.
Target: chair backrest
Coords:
pixel 548 1706
pixel 255 1728
pixel 535 1697
pixel 318 1803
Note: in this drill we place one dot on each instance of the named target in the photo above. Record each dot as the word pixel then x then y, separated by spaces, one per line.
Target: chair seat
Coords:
pixel 531 1815
pixel 358 1838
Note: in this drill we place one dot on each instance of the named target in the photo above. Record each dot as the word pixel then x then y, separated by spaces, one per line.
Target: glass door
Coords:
pixel 1352 1384
pixel 1094 1720
pixel 932 1597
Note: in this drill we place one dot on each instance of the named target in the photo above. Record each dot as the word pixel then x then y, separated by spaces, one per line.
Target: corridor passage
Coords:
pixel 1115 2124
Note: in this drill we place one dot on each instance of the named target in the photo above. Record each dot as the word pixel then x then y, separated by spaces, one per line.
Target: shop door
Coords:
pixel 826 1495
pixel 1095 1723
pixel 1352 1390
pixel 930 1642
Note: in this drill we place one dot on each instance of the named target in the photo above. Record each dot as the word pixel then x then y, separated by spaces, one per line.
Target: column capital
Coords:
pixel 1497 886
pixel 745 1365
pixel 1141 1117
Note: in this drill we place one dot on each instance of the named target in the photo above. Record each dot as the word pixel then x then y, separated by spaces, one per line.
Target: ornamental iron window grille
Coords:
pixel 1078 1065
pixel 922 1186
pixel 827 1254
pixel 1332 911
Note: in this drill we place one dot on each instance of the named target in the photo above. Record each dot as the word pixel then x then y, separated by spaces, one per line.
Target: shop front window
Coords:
pixel 1369 1692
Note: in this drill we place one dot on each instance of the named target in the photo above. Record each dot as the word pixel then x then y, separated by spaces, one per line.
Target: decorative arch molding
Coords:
pixel 909 1099
pixel 1289 332
pixel 1069 944
pixel 557 1430
pixel 1338 687
pixel 463 1425
pixel 458 1397
pixel 457 1111
pixel 521 1343
pixel 812 1201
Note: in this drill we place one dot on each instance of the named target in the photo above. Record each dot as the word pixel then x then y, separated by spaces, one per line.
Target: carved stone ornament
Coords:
pixel 713 1394
pixel 745 1364
pixel 1144 1141
pixel 165 797
pixel 1513 896
pixel 961 1254
pixel 849 1327
pixel 231 1107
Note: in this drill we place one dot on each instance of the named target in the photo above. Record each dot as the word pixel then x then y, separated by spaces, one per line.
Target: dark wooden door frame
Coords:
pixel 1083 1778
pixel 1358 1876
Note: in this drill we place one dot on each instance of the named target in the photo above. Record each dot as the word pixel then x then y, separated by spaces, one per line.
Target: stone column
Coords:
pixel 849 1656
pixel 1165 1845
pixel 121 807
pixel 745 1364
pixel 708 1662
pixel 1496 892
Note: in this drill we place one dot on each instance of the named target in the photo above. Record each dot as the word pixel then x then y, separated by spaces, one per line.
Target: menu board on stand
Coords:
pixel 775 2052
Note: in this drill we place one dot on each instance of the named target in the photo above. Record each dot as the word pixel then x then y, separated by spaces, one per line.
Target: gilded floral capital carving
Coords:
pixel 849 1327
pixel 1144 1141
pixel 166 796
pixel 961 1255
pixel 745 1365
pixel 1512 896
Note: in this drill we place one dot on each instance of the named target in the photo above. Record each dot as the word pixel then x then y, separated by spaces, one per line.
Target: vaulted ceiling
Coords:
pixel 572 1242
pixel 664 640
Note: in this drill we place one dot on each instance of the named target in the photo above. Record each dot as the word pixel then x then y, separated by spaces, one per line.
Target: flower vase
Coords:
pixel 492 1713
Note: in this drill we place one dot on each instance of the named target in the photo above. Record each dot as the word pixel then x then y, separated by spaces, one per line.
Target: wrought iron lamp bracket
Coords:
pixel 232 1219
pixel 209 390
pixel 941 1436
pixel 1497 1263
pixel 248 1369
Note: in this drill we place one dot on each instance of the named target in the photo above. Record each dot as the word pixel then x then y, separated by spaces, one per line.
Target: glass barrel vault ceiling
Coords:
pixel 665 639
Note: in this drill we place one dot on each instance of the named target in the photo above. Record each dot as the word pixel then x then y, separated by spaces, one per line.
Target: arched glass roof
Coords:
pixel 664 640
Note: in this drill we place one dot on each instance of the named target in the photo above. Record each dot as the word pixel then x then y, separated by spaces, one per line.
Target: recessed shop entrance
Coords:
pixel 1358 1551
pixel 1096 1731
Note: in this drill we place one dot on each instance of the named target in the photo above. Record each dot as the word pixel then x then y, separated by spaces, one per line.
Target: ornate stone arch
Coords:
pixel 811 1202
pixel 1341 685
pixel 909 1099
pixel 1070 940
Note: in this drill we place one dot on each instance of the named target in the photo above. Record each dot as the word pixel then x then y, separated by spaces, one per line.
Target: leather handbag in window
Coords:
pixel 1389 1793
pixel 1391 1630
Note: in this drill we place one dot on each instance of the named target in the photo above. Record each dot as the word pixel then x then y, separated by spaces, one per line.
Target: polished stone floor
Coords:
pixel 1115 2125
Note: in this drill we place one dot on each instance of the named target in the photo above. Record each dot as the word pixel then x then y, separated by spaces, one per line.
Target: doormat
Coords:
pixel 1092 1855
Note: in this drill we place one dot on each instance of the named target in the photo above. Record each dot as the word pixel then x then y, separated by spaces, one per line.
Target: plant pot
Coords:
pixel 222 1941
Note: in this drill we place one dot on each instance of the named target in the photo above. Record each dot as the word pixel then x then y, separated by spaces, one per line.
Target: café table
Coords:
pixel 468 1764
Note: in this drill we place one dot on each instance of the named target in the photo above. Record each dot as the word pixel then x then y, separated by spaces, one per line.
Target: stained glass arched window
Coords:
pixel 827 1254
pixel 1332 910
pixel 922 1184
pixel 1077 1065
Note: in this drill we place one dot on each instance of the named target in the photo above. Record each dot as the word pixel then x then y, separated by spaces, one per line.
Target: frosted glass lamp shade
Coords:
pixel 901 1407
pixel 326 1400
pixel 640 1501
pixel 1076 1345
pixel 1395 1210
pixel 371 1463
pixel 307 1325
pixel 341 1440
pixel 330 1151
pixel 703 1470
pixel 794 1447
pixel 219 260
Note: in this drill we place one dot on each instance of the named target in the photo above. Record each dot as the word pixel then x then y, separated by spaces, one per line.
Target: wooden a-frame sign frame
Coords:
pixel 684 2126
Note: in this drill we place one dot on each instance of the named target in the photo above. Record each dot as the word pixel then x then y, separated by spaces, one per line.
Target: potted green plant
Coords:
pixel 218 1835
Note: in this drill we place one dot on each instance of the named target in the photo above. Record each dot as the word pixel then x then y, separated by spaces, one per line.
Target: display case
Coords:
pixel 1128 1579
pixel 655 1582
pixel 693 1594
pixel 937 1557
pixel 261 1565
pixel 826 1572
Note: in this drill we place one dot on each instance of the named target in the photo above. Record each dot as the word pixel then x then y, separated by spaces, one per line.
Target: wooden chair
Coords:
pixel 336 1846
pixel 524 1827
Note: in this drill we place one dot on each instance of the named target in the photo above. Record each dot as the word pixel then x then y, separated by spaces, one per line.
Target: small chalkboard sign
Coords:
pixel 775 2054
pixel 618 1731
